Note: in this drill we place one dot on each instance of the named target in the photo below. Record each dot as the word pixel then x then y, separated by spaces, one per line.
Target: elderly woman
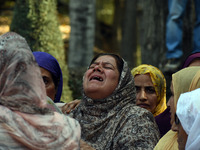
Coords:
pixel 150 86
pixel 25 120
pixel 187 120
pixel 185 80
pixel 51 74
pixel 107 113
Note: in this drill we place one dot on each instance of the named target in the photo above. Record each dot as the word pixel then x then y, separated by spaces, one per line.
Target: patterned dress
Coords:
pixel 116 123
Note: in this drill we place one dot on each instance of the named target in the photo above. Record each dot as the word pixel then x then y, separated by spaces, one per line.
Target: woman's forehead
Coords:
pixel 105 59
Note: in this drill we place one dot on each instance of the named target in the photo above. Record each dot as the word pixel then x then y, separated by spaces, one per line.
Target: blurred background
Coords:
pixel 74 31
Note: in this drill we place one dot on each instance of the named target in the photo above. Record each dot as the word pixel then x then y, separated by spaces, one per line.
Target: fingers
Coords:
pixel 68 107
pixel 77 102
pixel 85 146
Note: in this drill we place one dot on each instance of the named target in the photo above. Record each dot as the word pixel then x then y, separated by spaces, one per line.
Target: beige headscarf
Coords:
pixel 185 80
pixel 159 84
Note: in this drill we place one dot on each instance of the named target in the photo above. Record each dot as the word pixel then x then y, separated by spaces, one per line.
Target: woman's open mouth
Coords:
pixel 98 78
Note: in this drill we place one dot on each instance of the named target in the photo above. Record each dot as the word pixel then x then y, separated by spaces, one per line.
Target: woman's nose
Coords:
pixel 174 127
pixel 98 68
pixel 169 102
pixel 142 95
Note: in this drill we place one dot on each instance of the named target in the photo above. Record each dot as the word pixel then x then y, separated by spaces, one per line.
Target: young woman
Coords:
pixel 51 74
pixel 150 86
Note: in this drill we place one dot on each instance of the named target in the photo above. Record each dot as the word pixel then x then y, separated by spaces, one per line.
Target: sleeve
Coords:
pixel 137 132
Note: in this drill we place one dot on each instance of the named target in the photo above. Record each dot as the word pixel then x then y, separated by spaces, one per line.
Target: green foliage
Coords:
pixel 37 21
pixel 105 11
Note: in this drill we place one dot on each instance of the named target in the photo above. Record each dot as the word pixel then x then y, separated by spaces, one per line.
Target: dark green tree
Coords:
pixel 151 25
pixel 37 21
pixel 129 33
pixel 81 43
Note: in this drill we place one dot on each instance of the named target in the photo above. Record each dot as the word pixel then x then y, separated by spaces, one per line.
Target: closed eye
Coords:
pixel 105 65
pixel 108 67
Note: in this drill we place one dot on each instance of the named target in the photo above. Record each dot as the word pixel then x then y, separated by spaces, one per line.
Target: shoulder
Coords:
pixel 168 141
pixel 138 120
pixel 137 129
pixel 137 113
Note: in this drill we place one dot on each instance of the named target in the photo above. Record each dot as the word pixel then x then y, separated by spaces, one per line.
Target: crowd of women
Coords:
pixel 120 108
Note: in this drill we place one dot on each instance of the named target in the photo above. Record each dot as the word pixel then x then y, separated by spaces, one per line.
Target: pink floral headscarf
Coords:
pixel 25 120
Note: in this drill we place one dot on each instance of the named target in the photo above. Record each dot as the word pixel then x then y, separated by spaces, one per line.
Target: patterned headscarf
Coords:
pixel 116 122
pixel 50 63
pixel 26 122
pixel 159 83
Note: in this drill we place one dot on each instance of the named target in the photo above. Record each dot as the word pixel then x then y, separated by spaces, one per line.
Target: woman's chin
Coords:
pixel 96 95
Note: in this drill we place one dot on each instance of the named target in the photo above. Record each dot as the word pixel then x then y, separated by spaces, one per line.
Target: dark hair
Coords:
pixel 55 80
pixel 118 59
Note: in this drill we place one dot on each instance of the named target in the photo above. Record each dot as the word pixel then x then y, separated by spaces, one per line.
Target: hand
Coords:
pixel 85 146
pixel 68 107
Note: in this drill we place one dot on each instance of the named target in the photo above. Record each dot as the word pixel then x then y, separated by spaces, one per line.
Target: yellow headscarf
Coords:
pixel 185 80
pixel 159 83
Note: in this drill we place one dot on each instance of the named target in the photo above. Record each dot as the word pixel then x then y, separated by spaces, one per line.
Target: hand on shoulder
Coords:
pixel 68 107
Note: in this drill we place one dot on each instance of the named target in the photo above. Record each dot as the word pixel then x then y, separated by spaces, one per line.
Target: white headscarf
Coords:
pixel 188 112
